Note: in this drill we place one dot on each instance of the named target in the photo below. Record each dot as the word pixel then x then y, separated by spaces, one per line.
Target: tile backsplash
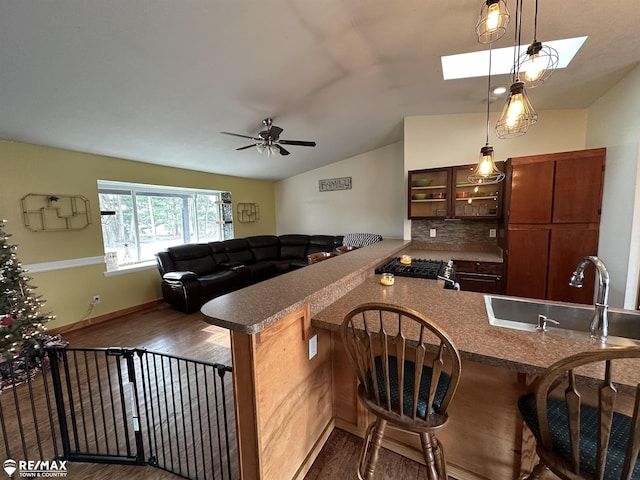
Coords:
pixel 454 234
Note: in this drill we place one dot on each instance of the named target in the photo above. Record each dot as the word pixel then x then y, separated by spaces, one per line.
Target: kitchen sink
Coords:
pixel 573 320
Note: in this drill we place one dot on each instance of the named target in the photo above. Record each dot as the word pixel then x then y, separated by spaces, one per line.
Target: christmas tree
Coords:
pixel 21 323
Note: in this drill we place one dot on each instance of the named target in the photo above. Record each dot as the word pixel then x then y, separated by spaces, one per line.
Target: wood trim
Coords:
pixel 283 399
pixel 575 154
pixel 303 314
pixel 315 451
pixel 105 318
pixel 526 456
pixel 244 391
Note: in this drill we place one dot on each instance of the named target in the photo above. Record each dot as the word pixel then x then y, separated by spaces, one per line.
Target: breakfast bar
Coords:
pixel 293 383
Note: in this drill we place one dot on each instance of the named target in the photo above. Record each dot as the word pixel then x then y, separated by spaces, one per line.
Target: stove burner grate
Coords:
pixel 419 268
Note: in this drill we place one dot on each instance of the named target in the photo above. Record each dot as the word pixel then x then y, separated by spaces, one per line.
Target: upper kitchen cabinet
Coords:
pixel 446 193
pixel 556 188
pixel 429 193
pixel 475 201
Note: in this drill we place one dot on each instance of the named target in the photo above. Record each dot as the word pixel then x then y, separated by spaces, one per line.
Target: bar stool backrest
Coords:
pixel 580 436
pixel 408 368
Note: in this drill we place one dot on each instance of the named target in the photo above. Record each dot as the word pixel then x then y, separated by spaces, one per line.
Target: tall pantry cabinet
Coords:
pixel 552 221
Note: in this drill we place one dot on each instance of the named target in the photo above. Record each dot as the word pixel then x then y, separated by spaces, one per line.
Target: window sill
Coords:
pixel 138 267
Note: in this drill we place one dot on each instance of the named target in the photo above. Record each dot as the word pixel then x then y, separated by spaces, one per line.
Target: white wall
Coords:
pixel 614 122
pixel 444 140
pixel 373 205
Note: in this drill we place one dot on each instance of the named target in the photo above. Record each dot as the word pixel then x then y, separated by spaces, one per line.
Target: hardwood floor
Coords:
pixel 338 459
pixel 160 329
pixel 163 329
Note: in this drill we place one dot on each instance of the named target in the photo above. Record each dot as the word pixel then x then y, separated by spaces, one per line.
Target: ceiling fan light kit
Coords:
pixel 268 141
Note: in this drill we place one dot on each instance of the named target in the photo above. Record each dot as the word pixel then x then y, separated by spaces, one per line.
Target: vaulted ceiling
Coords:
pixel 158 80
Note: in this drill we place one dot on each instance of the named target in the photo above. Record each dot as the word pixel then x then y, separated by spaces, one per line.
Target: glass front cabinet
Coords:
pixel 446 193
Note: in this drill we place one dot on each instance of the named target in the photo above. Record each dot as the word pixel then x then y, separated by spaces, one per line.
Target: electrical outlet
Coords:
pixel 432 232
pixel 95 300
pixel 492 233
pixel 313 346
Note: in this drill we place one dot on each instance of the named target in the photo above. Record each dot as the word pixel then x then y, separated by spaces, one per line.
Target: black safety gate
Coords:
pixel 121 405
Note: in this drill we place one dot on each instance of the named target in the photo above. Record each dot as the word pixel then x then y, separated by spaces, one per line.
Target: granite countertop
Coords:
pixel 335 286
pixel 463 316
pixel 256 307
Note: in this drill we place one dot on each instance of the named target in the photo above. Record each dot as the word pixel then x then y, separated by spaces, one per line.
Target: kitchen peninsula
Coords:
pixel 288 403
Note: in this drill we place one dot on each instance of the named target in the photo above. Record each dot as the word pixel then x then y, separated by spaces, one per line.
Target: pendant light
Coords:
pixel 539 62
pixel 486 170
pixel 493 20
pixel 518 113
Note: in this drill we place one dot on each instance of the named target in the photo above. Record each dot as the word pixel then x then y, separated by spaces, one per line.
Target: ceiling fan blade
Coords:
pixel 298 142
pixel 245 147
pixel 238 135
pixel 275 132
pixel 282 150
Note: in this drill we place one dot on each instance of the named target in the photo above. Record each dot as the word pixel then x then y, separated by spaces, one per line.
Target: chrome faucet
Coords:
pixel 599 327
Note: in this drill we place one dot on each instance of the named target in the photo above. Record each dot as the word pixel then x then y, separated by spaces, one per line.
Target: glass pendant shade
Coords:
pixel 486 170
pixel 537 64
pixel 518 113
pixel 493 21
pixel 269 149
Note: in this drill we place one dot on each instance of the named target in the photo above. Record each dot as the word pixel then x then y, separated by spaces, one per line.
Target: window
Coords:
pixel 140 220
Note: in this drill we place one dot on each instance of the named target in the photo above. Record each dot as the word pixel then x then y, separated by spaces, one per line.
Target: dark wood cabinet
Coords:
pixel 552 221
pixel 483 277
pixel 577 193
pixel 531 192
pixel 527 253
pixel 440 193
pixel 568 244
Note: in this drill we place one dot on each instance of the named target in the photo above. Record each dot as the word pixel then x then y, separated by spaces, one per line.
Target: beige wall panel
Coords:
pixel 35 169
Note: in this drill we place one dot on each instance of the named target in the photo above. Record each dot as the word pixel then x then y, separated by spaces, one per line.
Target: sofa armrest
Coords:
pixel 179 276
pixel 231 265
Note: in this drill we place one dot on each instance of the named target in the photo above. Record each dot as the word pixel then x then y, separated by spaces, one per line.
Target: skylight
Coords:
pixel 475 64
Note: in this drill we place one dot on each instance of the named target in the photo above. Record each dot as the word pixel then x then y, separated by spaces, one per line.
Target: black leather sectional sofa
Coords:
pixel 195 273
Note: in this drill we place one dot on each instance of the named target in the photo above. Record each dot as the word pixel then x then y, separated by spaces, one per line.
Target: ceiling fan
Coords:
pixel 269 141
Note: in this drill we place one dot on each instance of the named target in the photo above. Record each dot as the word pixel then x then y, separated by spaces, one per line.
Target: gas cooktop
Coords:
pixel 420 268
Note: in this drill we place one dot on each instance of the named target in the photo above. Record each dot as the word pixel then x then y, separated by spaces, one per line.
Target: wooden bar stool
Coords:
pixel 408 371
pixel 319 257
pixel 578 434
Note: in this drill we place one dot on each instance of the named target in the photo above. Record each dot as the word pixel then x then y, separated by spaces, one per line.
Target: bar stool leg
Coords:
pixel 441 462
pixel 427 451
pixel 374 440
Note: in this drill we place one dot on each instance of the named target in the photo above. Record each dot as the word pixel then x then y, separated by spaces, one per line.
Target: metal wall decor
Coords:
pixel 46 212
pixel 248 212
pixel 331 184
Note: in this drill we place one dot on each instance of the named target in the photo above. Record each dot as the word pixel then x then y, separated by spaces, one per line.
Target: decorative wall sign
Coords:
pixel 45 212
pixel 331 184
pixel 248 212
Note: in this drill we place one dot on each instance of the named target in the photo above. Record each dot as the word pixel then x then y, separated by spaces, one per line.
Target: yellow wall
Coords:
pixel 33 169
